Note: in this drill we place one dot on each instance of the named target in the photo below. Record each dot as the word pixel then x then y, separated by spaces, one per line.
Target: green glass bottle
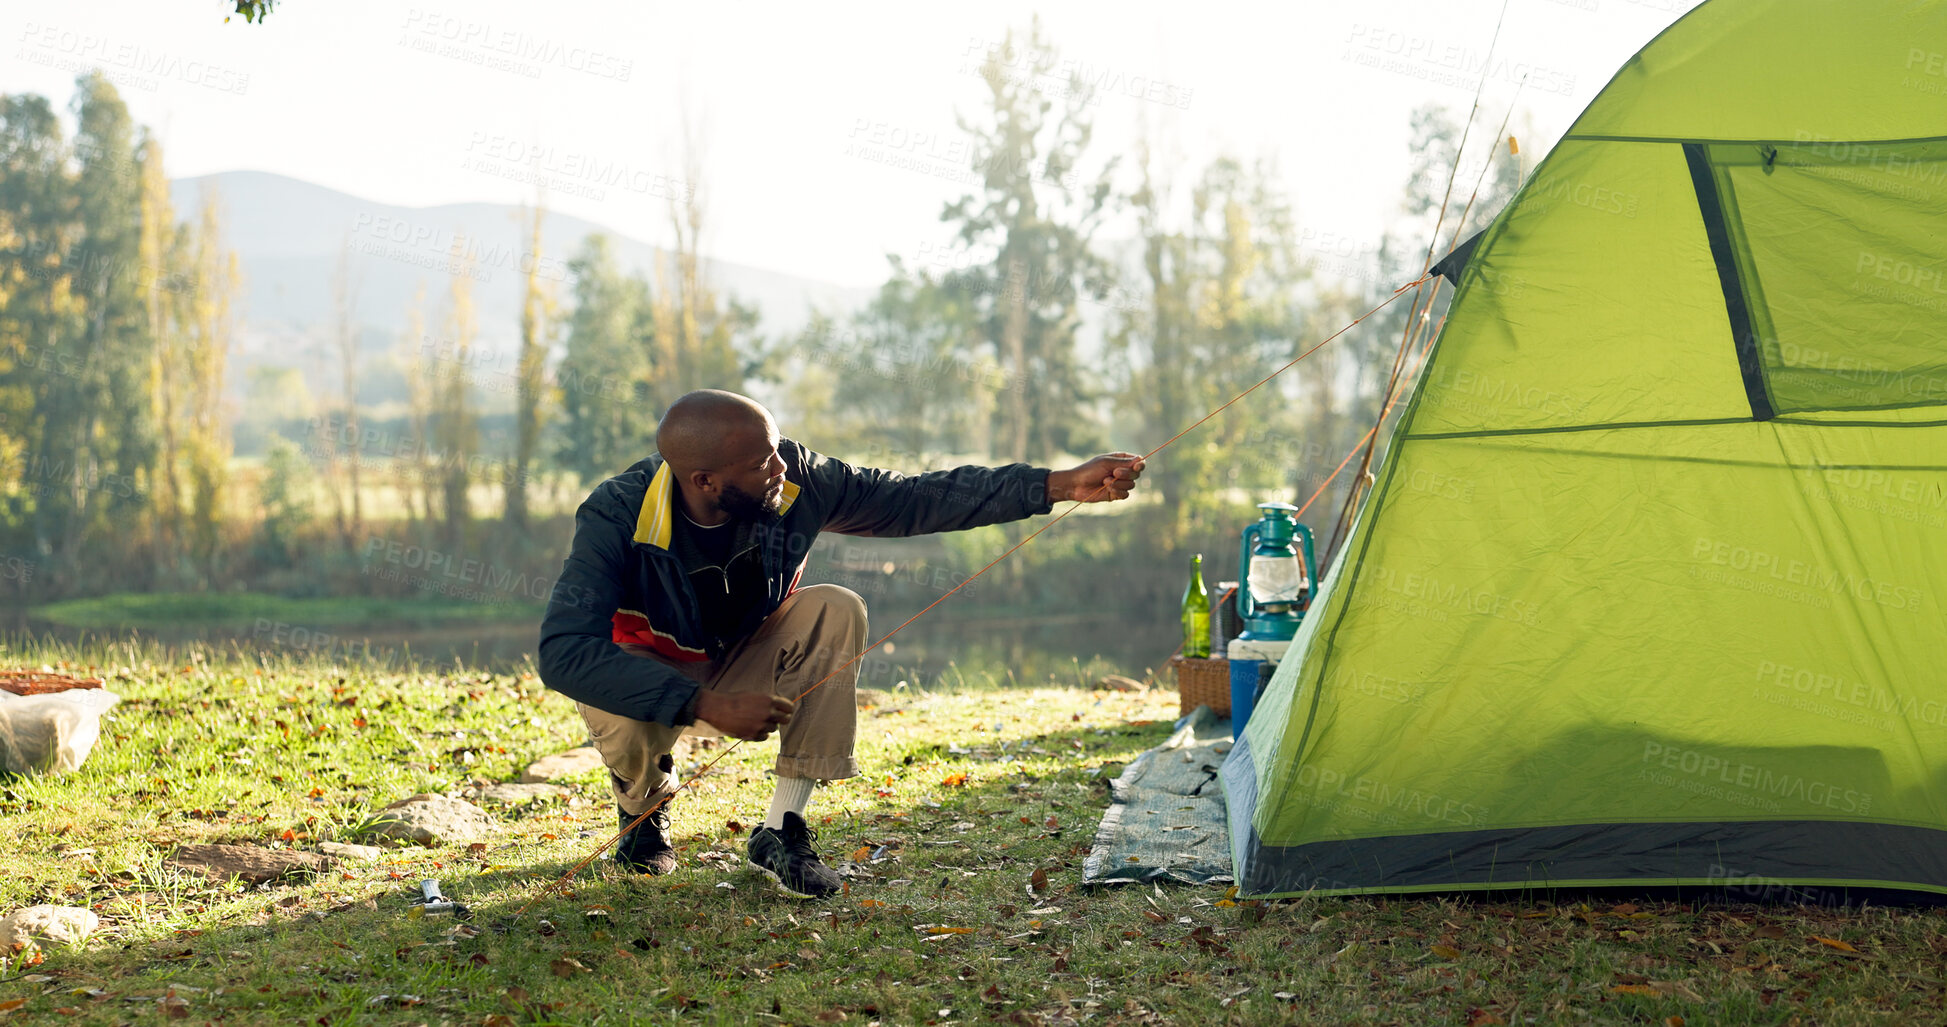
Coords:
pixel 1196 614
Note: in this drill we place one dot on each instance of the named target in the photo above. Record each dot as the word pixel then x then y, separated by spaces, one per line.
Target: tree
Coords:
pixel 455 427
pixel 40 313
pixel 284 497
pixel 538 321
pixel 603 380
pixel 1222 314
pixel 1037 217
pixel 701 340
pixel 911 379
pixel 348 509
pixel 254 10
pixel 115 428
pixel 205 320
pixel 159 277
pixel 410 459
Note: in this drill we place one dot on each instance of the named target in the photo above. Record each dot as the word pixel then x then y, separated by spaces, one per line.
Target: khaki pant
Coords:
pixel 816 631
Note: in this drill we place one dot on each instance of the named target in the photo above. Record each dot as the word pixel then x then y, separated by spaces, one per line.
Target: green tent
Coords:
pixel 1650 588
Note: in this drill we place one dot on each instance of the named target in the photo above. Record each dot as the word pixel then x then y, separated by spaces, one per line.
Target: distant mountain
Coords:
pixel 288 235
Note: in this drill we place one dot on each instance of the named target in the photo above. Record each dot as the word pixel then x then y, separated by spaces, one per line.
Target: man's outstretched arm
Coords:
pixel 870 501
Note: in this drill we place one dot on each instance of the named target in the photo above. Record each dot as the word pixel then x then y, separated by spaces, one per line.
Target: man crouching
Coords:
pixel 679 609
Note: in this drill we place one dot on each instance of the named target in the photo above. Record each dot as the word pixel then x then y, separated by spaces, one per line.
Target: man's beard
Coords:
pixel 746 507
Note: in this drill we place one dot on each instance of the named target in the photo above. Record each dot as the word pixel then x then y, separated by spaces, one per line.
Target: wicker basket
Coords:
pixel 1202 683
pixel 39 682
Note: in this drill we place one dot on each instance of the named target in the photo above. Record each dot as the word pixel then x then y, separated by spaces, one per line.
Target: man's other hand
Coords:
pixel 744 715
pixel 1104 479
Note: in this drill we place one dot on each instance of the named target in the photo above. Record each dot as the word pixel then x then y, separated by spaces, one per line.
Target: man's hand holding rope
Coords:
pixel 1104 479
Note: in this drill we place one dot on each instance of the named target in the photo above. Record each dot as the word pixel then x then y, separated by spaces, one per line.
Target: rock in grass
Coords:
pixel 1118 683
pixel 252 864
pixel 572 763
pixel 431 820
pixel 343 851
pixel 46 925
pixel 506 794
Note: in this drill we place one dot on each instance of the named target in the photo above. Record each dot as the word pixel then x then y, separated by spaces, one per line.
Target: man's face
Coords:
pixel 750 484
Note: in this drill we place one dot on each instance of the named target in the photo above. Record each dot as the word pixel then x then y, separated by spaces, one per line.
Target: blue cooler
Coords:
pixel 1251 663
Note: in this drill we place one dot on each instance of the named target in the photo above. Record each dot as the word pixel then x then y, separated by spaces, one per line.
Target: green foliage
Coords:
pixel 113 440
pixel 908 380
pixel 1036 214
pixel 114 327
pixel 609 421
pixel 284 495
pixel 254 10
pixel 540 324
pixel 455 424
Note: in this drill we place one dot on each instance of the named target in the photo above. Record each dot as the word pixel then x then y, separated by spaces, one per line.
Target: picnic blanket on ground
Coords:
pixel 1166 818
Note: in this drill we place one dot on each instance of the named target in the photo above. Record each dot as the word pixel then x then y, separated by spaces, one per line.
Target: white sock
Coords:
pixel 792 796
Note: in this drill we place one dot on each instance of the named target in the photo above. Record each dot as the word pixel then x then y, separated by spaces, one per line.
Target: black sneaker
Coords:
pixel 646 850
pixel 786 856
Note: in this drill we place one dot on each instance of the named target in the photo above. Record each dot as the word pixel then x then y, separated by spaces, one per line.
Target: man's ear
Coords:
pixel 704 482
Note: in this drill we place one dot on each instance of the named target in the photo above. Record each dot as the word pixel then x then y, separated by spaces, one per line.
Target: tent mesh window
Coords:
pixel 1837 255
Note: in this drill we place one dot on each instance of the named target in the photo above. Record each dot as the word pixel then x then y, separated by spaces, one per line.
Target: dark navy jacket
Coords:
pixel 621 583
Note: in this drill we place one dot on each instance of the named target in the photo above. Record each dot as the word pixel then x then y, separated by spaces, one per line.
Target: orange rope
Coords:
pixel 658 804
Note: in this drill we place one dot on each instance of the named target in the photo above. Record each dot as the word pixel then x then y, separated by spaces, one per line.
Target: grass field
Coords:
pixel 963 840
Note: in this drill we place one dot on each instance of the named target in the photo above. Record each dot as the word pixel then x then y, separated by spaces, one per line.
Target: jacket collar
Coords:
pixel 657 518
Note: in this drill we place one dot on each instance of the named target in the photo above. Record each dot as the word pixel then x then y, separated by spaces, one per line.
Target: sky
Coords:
pixel 826 134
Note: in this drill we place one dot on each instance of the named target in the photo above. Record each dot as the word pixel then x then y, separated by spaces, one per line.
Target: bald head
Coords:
pixel 723 450
pixel 708 428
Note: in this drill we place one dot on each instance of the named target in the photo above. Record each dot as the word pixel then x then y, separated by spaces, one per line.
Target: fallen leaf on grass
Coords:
pixel 1483 1017
pixel 949 930
pixel 1633 989
pixel 1038 881
pixel 1444 951
pixel 954 780
pixel 12 1004
pixel 1769 931
pixel 1834 943
pixel 568 966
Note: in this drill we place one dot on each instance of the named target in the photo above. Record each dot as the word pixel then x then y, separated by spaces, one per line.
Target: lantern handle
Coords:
pixel 1246 608
pixel 1311 566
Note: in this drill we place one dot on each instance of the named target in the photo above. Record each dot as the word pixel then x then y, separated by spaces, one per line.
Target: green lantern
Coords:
pixel 1277 578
